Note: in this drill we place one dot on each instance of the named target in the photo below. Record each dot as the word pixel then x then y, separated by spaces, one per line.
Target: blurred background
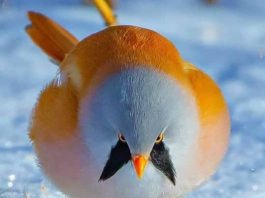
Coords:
pixel 225 38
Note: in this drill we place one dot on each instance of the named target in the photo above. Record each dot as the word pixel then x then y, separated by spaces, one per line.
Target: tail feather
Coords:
pixel 52 38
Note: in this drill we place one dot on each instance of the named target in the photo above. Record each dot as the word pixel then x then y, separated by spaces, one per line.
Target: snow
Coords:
pixel 226 40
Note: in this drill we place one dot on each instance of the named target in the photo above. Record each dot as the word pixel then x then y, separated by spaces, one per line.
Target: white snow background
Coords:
pixel 226 40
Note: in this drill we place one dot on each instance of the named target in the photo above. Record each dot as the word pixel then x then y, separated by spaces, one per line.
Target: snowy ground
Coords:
pixel 227 41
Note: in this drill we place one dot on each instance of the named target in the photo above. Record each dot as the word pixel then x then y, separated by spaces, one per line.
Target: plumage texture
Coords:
pixel 161 159
pixel 119 155
pixel 91 62
pixel 52 38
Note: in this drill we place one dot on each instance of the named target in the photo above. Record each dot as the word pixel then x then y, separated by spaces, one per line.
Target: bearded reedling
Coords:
pixel 125 95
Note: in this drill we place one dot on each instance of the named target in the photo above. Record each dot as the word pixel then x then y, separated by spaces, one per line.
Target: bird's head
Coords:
pixel 139 116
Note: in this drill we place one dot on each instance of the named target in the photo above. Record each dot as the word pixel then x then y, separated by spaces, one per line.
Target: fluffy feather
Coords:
pixel 55 128
pixel 52 38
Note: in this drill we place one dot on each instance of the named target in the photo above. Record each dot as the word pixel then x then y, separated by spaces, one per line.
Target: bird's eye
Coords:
pixel 160 138
pixel 122 138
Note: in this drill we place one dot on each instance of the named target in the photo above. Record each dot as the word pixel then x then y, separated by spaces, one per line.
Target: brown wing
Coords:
pixel 55 114
pixel 52 38
pixel 209 97
pixel 214 119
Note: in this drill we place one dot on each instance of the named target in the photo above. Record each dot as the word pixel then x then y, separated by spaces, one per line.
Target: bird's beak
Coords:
pixel 139 162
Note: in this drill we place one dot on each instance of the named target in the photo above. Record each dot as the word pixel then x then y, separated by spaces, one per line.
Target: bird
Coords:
pixel 127 116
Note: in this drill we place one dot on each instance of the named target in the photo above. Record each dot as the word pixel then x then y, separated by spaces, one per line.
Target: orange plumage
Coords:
pixel 52 38
pixel 86 64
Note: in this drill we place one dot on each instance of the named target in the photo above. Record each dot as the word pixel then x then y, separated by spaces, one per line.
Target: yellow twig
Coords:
pixel 106 12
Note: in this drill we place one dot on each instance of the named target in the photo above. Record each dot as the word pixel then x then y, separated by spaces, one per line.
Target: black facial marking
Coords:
pixel 119 156
pixel 161 160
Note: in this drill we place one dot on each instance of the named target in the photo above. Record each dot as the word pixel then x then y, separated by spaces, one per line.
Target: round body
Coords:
pixel 130 81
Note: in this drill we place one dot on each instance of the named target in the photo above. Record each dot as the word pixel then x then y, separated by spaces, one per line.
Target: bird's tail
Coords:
pixel 52 38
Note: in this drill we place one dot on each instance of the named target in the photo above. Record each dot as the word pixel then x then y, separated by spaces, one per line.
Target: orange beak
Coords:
pixel 139 162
